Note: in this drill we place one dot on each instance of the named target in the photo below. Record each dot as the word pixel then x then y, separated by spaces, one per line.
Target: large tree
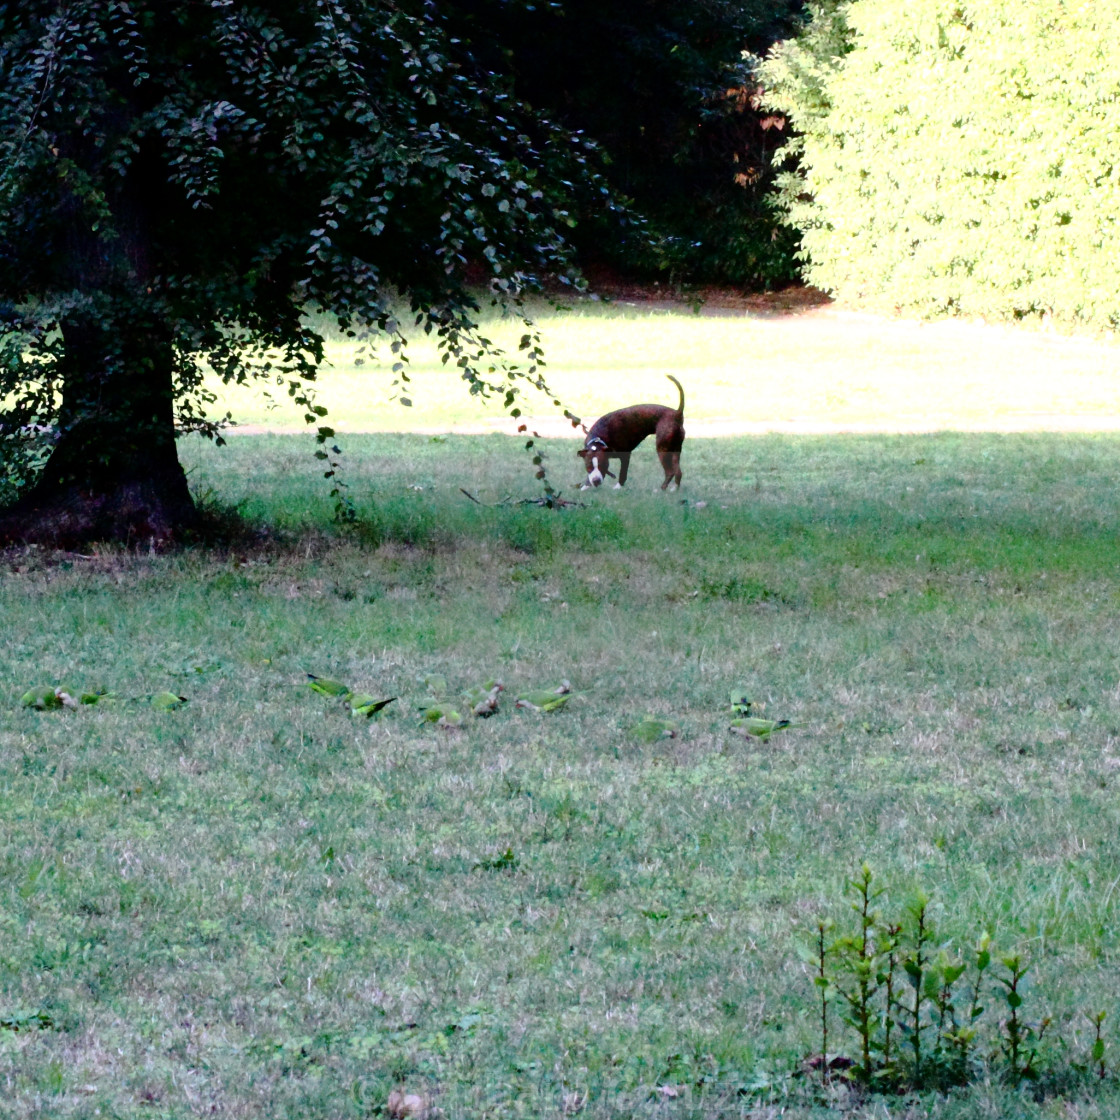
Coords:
pixel 182 180
pixel 664 88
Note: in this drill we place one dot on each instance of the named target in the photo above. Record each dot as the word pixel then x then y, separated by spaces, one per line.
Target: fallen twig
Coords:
pixel 488 505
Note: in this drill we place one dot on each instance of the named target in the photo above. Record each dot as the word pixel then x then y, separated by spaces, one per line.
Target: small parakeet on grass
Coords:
pixel 99 696
pixel 43 698
pixel 61 696
pixel 167 701
pixel 442 716
pixel 651 729
pixel 543 700
pixel 740 702
pixel 484 701
pixel 757 727
pixel 326 687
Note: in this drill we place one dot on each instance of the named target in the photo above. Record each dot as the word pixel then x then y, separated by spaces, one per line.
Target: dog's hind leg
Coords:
pixel 671 465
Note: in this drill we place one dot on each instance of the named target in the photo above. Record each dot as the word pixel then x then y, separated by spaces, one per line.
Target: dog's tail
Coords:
pixel 680 389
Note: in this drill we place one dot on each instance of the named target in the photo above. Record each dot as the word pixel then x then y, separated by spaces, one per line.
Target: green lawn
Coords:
pixel 822 372
pixel 258 905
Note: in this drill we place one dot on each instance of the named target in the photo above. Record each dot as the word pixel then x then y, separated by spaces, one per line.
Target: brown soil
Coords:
pixel 794 299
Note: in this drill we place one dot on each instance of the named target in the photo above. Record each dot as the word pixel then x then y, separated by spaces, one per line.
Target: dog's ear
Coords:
pixel 582 452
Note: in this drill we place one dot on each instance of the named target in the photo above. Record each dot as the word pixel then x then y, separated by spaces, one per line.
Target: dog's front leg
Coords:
pixel 623 467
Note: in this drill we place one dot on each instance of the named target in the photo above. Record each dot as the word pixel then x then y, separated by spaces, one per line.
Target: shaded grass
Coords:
pixel 258 906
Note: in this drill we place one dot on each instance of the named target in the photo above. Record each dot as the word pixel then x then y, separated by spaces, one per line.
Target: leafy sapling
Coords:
pixel 892 936
pixel 961 1038
pixel 947 971
pixel 1022 1040
pixel 860 954
pixel 1096 1051
pixel 825 989
pixel 915 965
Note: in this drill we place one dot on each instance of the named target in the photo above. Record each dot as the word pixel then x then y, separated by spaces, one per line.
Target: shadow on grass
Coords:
pixel 1023 503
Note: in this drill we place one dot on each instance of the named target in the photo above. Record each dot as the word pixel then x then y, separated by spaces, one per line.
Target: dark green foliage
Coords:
pixel 956 158
pixel 24 450
pixel 180 182
pixel 664 88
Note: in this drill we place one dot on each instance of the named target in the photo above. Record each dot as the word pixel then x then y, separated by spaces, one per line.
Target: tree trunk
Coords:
pixel 114 474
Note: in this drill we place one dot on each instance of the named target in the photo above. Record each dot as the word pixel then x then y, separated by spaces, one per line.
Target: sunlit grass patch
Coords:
pixel 824 371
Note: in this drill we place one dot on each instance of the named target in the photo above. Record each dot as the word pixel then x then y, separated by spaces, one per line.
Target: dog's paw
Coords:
pixel 618 485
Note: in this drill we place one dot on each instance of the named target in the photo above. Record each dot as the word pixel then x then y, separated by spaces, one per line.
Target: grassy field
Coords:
pixel 259 905
pixel 822 372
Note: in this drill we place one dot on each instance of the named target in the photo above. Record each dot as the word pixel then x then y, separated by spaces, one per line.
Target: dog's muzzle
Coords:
pixel 595 473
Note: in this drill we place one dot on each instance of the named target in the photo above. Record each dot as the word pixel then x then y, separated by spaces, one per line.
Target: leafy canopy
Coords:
pixel 957 157
pixel 663 87
pixel 219 169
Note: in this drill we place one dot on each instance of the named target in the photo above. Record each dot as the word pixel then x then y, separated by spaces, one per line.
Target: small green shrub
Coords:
pixel 919 1009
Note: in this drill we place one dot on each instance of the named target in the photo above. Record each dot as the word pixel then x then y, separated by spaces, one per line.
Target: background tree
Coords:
pixel 662 86
pixel 181 180
pixel 957 158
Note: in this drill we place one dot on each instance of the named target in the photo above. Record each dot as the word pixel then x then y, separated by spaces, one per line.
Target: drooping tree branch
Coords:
pixel 183 181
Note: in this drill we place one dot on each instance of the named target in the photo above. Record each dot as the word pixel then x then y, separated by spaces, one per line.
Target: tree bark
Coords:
pixel 114 474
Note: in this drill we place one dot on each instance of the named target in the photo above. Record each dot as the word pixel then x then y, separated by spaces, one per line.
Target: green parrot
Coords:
pixel 484 701
pixel 757 727
pixel 651 729
pixel 326 687
pixel 167 701
pixel 368 706
pixel 42 698
pixel 740 702
pixel 543 700
pixel 96 696
pixel 442 716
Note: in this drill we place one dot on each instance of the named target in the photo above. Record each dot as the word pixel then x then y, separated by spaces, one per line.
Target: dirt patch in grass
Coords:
pixel 709 300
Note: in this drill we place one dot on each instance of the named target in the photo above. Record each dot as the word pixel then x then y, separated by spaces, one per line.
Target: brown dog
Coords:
pixel 615 435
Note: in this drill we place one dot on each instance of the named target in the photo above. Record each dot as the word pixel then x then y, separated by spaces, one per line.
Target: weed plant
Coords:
pixel 260 905
pixel 938 1013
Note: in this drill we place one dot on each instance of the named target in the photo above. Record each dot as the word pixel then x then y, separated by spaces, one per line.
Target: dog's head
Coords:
pixel 594 456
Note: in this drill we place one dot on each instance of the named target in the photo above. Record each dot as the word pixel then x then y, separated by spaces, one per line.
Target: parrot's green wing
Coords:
pixel 543 700
pixel 757 727
pixel 368 706
pixel 42 698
